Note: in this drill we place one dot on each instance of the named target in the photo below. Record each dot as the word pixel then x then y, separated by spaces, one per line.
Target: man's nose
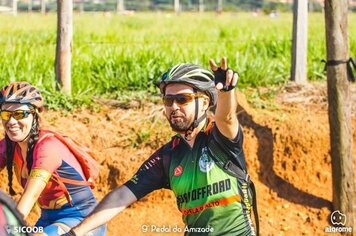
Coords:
pixel 175 106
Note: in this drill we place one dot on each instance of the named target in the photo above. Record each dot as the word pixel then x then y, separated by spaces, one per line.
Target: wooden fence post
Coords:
pixel 29 6
pixel 120 6
pixel 220 6
pixel 201 5
pixel 339 98
pixel 14 7
pixel 300 39
pixel 43 7
pixel 64 44
pixel 177 7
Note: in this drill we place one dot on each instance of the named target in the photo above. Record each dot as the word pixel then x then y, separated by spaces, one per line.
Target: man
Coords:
pixel 209 198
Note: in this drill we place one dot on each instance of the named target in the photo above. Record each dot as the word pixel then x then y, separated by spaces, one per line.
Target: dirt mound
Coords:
pixel 287 150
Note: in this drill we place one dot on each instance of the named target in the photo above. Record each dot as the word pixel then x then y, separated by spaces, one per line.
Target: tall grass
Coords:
pixel 115 54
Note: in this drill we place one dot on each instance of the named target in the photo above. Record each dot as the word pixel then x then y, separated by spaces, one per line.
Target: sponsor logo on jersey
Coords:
pixel 134 179
pixel 151 162
pixel 205 191
pixel 205 164
pixel 178 171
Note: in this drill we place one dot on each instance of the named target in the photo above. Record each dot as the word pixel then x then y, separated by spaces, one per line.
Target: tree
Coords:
pixel 64 44
pixel 339 98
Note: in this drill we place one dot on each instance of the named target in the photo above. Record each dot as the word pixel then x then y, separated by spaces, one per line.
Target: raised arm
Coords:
pixel 108 208
pixel 225 113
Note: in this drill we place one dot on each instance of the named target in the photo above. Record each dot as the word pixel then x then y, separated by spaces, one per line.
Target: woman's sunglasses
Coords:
pixel 18 114
pixel 180 99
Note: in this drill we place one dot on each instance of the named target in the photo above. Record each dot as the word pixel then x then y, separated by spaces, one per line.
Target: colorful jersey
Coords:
pixel 50 156
pixel 207 196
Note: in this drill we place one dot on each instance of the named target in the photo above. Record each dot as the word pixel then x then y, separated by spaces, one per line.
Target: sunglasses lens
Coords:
pixel 18 115
pixel 167 101
pixel 183 99
pixel 5 115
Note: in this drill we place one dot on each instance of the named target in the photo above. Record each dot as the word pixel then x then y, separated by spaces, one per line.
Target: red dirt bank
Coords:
pixel 287 150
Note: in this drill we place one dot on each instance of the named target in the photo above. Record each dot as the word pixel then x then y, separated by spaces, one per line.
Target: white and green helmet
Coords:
pixel 192 75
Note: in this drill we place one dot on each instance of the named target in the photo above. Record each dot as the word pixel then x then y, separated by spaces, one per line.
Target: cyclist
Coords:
pixel 36 163
pixel 207 196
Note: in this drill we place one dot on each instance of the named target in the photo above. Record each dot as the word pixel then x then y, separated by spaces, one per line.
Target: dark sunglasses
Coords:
pixel 18 114
pixel 181 99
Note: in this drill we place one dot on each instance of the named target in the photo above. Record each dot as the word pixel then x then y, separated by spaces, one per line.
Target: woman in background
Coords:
pixel 38 165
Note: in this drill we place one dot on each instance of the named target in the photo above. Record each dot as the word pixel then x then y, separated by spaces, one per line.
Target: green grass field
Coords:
pixel 116 54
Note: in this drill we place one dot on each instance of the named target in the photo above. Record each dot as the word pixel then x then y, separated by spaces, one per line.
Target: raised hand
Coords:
pixel 225 78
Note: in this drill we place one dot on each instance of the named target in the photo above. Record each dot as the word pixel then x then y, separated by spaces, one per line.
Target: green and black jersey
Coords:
pixel 207 196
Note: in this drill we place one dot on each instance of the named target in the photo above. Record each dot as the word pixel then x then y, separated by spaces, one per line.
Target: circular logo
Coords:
pixel 205 163
pixel 178 170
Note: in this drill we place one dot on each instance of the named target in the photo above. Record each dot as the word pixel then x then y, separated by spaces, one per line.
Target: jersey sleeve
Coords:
pixel 149 177
pixel 2 154
pixel 47 155
pixel 230 148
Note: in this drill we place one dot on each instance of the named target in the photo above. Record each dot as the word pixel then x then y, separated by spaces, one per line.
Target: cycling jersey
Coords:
pixel 206 195
pixel 50 156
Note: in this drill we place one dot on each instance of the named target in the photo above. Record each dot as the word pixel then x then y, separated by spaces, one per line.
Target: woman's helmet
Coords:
pixel 190 74
pixel 23 93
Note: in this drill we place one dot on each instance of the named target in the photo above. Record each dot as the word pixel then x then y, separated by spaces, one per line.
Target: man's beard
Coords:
pixel 181 125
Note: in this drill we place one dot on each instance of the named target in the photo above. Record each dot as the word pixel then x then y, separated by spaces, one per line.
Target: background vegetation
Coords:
pixel 115 54
pixel 159 5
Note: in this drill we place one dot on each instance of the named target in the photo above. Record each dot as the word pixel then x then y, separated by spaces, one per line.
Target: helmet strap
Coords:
pixel 29 133
pixel 197 120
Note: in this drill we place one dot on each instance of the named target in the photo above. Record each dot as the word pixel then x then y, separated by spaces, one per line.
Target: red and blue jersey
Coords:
pixel 51 156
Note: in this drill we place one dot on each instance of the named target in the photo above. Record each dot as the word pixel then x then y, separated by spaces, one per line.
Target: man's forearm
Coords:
pixel 226 105
pixel 225 114
pixel 108 208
